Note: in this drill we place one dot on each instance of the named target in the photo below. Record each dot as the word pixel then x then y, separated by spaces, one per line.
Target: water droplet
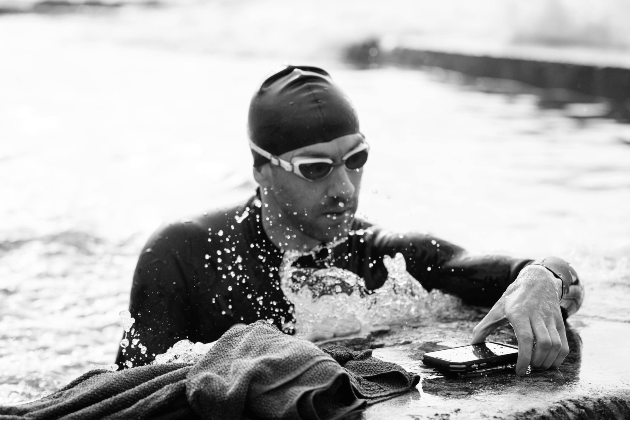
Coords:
pixel 242 217
pixel 124 343
pixel 126 320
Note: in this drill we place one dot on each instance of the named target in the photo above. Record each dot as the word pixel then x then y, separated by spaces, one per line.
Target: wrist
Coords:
pixel 557 282
pixel 542 274
pixel 560 270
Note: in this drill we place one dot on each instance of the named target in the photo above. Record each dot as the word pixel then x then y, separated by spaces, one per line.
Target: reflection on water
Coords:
pixel 101 142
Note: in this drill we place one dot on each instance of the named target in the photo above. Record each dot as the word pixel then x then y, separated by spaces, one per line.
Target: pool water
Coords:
pixel 101 141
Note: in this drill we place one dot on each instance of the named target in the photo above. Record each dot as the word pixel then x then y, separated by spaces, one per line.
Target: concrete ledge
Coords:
pixel 592 383
pixel 591 408
pixel 55 7
pixel 598 75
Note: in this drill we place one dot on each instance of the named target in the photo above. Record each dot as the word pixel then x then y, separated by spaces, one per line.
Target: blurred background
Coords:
pixel 116 116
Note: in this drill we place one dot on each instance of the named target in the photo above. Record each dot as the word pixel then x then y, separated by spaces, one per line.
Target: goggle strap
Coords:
pixel 274 159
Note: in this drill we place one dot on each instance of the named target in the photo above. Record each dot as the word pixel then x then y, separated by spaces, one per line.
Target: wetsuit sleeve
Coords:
pixel 159 300
pixel 438 264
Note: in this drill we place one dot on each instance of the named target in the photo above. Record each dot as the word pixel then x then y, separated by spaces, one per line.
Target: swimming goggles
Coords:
pixel 313 169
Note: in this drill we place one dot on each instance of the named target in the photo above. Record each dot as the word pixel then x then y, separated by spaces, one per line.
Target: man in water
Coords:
pixel 195 279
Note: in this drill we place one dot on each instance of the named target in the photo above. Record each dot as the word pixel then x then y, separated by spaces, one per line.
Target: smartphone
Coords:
pixel 469 358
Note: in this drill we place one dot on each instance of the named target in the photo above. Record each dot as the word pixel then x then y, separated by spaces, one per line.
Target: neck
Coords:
pixel 283 236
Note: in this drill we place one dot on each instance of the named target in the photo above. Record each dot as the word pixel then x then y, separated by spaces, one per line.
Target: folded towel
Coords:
pixel 371 378
pixel 252 371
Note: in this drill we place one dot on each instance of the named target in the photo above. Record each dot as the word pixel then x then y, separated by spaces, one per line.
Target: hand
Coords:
pixel 334 327
pixel 531 306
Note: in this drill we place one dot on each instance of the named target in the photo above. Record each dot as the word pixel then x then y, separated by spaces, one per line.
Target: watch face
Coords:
pixel 474 352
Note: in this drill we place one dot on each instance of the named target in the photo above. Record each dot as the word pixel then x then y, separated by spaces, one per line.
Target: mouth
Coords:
pixel 342 211
pixel 339 214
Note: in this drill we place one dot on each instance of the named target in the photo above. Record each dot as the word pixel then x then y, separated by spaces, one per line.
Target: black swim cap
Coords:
pixel 296 107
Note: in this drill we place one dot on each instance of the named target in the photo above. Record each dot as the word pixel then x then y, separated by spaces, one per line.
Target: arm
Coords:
pixel 478 280
pixel 439 264
pixel 528 295
pixel 159 300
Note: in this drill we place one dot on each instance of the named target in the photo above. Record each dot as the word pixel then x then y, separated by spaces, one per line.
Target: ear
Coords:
pixel 263 175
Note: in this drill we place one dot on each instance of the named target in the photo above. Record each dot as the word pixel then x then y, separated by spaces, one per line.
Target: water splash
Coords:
pixel 184 351
pixel 318 294
pixel 130 339
pixel 126 320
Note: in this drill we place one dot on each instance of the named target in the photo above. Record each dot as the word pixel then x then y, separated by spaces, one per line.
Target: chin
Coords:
pixel 335 232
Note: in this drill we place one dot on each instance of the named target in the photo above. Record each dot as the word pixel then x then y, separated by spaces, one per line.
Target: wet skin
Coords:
pixel 299 214
pixel 530 305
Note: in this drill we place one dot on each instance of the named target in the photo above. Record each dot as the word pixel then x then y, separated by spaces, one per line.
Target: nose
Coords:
pixel 339 184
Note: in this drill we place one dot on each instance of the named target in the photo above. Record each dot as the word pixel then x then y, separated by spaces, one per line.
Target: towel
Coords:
pixel 252 371
pixel 371 378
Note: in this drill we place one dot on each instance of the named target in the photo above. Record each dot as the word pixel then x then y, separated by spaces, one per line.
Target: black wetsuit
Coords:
pixel 195 279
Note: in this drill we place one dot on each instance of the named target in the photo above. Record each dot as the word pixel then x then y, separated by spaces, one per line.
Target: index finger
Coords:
pixel 525 338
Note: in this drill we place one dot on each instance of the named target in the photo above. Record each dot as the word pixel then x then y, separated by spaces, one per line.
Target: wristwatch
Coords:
pixel 560 269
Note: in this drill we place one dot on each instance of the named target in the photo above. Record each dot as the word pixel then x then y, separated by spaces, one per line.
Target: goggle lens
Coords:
pixel 318 170
pixel 357 160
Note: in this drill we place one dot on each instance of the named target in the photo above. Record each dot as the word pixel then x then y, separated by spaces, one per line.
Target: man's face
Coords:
pixel 322 210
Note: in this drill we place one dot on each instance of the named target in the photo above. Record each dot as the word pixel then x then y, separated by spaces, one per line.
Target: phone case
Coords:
pixel 436 359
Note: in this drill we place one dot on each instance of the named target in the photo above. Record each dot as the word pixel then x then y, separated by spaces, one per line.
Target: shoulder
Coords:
pixel 177 236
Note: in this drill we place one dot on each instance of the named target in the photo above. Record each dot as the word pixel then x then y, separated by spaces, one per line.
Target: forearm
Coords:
pixel 159 301
pixel 439 264
pixel 160 319
pixel 482 280
pixel 479 280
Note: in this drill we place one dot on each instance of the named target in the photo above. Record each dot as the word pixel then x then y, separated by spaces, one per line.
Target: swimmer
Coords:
pixel 196 279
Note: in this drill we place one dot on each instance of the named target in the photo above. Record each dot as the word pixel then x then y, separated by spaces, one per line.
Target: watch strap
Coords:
pixel 560 269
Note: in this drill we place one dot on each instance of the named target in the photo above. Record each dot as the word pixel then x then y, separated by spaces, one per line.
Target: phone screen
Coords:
pixel 474 352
